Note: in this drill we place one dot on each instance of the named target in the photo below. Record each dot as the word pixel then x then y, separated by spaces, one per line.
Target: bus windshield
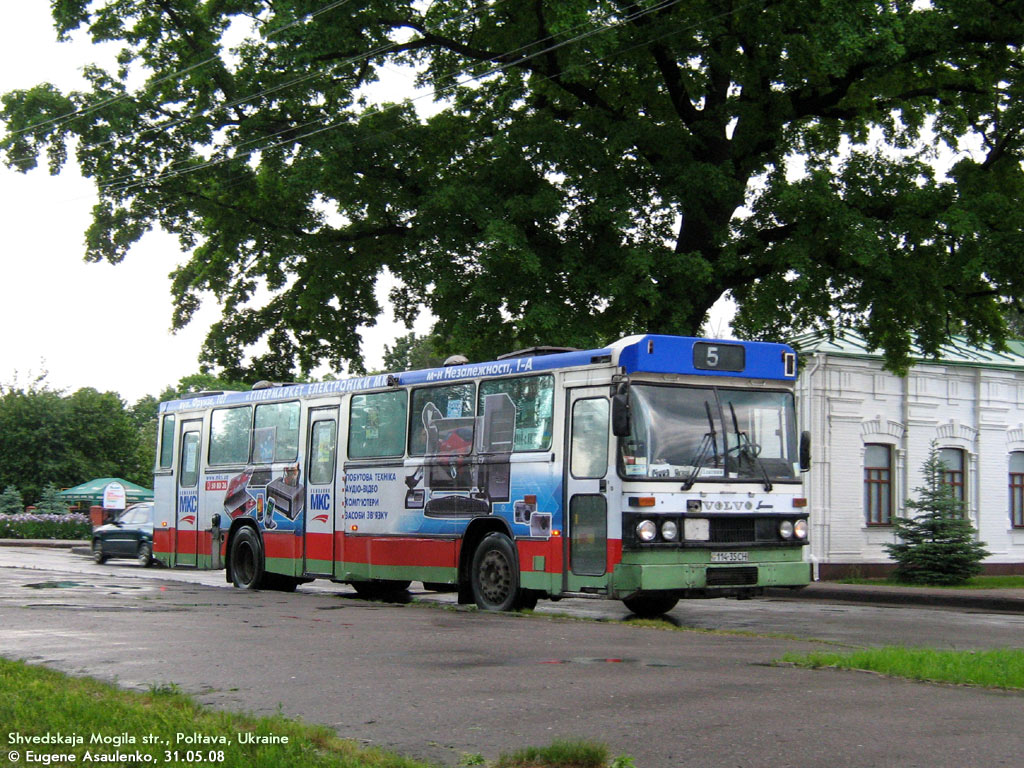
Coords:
pixel 700 434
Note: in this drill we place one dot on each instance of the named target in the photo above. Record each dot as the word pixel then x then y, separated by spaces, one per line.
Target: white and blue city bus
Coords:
pixel 653 469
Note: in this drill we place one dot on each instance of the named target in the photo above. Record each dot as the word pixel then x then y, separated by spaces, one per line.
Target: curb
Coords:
pixel 44 543
pixel 1012 601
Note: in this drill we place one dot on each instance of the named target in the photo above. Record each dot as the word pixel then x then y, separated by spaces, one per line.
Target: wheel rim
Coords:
pixel 495 575
pixel 144 554
pixel 97 550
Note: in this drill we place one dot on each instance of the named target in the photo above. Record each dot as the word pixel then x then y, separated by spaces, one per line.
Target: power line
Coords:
pixel 163 176
pixel 67 117
pixel 244 99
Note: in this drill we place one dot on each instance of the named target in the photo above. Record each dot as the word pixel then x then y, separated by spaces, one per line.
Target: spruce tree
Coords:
pixel 52 503
pixel 937 545
pixel 10 501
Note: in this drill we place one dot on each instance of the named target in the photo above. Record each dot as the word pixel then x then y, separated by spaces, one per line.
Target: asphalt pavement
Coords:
pixel 995 600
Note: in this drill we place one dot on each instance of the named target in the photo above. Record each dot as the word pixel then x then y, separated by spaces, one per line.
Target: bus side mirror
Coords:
pixel 620 415
pixel 805 451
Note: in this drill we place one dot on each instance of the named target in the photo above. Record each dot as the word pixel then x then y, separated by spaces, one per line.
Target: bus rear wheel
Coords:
pixel 389 591
pixel 649 605
pixel 247 569
pixel 494 575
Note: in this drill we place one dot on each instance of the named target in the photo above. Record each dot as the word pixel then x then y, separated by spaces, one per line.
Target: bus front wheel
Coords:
pixel 648 605
pixel 247 560
pixel 494 575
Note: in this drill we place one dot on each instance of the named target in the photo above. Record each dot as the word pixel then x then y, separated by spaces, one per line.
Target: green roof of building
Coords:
pixel 956 352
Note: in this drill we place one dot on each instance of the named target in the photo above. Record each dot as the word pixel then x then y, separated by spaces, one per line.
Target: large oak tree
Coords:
pixel 570 171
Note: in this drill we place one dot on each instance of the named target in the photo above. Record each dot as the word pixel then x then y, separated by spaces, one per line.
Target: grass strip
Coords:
pixel 998 668
pixel 53 717
pixel 561 754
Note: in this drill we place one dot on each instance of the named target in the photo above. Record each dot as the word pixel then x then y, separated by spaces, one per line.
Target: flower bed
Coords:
pixel 43 526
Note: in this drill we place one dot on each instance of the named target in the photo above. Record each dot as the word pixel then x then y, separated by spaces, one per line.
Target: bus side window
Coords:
pixel 376 427
pixel 229 435
pixel 589 449
pixel 323 444
pixel 167 442
pixel 441 420
pixel 533 397
pixel 276 433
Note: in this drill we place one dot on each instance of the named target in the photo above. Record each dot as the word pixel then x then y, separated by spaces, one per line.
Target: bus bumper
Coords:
pixel 707 579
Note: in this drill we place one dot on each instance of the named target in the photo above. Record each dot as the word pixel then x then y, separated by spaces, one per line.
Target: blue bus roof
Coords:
pixel 634 354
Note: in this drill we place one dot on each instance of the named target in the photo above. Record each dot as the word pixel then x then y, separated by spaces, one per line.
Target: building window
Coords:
pixel 954 473
pixel 878 484
pixel 1017 489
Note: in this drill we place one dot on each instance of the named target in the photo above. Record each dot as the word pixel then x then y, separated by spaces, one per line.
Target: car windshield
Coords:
pixel 708 433
pixel 138 515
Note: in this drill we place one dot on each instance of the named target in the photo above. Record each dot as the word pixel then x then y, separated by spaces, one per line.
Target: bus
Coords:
pixel 653 469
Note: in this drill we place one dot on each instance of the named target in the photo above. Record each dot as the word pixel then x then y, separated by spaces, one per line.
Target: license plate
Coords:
pixel 729 557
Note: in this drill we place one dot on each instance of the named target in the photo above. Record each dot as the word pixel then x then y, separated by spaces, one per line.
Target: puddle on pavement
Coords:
pixel 610 660
pixel 54 585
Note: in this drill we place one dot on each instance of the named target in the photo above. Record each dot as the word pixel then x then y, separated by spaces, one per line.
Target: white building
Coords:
pixel 871 432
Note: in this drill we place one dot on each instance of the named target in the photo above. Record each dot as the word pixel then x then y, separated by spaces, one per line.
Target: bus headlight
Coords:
pixel 786 529
pixel 800 529
pixel 670 530
pixel 646 530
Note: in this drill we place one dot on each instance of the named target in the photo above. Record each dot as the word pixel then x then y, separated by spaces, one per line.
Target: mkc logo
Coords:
pixel 188 506
pixel 320 500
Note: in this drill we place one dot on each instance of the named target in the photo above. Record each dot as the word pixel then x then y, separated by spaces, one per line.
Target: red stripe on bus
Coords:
pixel 440 553
pixel 320 546
pixel 550 550
pixel 286 545
pixel 187 543
pixel 163 540
pixel 614 552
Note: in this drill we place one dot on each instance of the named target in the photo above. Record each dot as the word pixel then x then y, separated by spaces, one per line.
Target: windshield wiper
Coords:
pixel 710 439
pixel 746 448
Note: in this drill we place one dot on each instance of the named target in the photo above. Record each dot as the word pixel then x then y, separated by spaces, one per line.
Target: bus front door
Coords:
pixel 585 544
pixel 186 517
pixel 321 492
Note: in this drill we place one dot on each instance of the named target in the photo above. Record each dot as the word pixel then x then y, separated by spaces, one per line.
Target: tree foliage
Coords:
pixel 572 170
pixel 413 353
pixel 48 437
pixel 937 543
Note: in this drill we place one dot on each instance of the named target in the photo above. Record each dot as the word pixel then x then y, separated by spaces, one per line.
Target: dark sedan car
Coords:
pixel 130 535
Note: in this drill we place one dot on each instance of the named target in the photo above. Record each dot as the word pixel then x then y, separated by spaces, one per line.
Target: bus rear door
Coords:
pixel 186 523
pixel 321 492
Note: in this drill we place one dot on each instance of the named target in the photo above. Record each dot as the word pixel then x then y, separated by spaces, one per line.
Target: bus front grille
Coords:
pixel 732 530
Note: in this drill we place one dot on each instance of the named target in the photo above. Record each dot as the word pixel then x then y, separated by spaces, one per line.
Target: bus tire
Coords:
pixel 279 583
pixel 494 574
pixel 528 599
pixel 648 605
pixel 386 590
pixel 247 565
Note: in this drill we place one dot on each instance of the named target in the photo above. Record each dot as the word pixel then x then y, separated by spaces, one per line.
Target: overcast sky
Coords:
pixel 87 325
pixel 97 325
